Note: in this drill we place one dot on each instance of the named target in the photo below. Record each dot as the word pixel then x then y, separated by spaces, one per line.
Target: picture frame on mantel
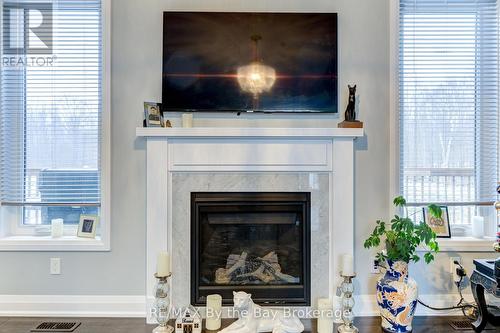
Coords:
pixel 152 114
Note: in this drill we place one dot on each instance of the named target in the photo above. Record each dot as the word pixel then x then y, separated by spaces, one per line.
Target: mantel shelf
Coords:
pixel 220 132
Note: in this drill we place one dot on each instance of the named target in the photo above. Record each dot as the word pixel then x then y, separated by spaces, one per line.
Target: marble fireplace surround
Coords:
pixel 184 160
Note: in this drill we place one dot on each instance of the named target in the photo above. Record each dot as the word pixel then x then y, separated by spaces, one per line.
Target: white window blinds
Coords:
pixel 448 100
pixel 50 114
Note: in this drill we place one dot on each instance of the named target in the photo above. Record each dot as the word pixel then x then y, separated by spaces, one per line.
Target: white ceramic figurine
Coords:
pixel 254 319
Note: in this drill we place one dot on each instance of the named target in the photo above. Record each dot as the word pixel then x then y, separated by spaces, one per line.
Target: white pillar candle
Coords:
pixel 325 319
pixel 214 308
pixel 57 228
pixel 477 226
pixel 347 265
pixel 187 120
pixel 163 264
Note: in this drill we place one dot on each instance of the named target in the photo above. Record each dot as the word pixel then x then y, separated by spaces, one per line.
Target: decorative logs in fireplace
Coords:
pixel 243 269
pixel 253 242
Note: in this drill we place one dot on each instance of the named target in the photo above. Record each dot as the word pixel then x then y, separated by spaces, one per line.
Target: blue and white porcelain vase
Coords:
pixel 397 298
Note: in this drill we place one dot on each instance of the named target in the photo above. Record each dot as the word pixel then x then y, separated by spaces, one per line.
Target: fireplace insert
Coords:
pixel 253 242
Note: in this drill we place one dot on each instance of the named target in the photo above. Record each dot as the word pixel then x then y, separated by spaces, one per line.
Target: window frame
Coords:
pixel 455 243
pixel 14 236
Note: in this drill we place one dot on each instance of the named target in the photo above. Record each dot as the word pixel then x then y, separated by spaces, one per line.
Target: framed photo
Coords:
pixel 88 226
pixel 441 226
pixel 152 114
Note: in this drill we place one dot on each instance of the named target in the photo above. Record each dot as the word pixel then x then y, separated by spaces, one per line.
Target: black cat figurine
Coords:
pixel 350 112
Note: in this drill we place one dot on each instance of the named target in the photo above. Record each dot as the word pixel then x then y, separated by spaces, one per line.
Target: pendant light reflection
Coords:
pixel 256 77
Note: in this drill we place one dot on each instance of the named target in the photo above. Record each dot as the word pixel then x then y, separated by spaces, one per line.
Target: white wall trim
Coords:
pixel 393 103
pixel 464 244
pixel 9 237
pixel 47 243
pixel 105 218
pixel 135 306
pixel 72 306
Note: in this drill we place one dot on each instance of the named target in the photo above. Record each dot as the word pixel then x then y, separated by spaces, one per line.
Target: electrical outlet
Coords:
pixel 375 268
pixel 55 266
pixel 452 264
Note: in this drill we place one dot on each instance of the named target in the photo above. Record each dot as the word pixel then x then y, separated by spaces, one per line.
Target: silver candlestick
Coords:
pixel 162 305
pixel 347 305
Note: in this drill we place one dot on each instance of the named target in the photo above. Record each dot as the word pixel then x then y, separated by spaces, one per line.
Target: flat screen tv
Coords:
pixel 268 62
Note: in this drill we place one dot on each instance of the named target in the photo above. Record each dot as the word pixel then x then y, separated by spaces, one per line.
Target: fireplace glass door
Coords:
pixel 253 242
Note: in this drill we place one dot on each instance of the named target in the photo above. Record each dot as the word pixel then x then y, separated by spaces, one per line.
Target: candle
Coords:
pixel 214 307
pixel 57 228
pixel 187 120
pixel 325 319
pixel 477 226
pixel 347 265
pixel 163 264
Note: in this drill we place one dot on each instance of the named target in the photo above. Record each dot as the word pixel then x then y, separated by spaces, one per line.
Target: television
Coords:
pixel 239 62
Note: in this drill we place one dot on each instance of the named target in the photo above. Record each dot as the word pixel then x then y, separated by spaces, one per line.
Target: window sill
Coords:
pixel 47 243
pixel 464 244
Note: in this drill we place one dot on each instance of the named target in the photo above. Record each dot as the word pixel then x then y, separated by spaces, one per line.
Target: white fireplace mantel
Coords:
pixel 256 132
pixel 219 150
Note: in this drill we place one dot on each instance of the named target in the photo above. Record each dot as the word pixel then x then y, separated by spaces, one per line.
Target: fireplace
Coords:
pixel 182 161
pixel 254 242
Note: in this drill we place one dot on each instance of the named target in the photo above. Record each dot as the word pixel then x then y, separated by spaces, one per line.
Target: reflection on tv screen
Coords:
pixel 273 62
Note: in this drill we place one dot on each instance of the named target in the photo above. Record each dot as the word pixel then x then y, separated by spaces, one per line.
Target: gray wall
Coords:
pixel 136 77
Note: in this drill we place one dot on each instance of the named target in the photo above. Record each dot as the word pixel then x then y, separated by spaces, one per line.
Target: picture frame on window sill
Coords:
pixel 88 226
pixel 441 226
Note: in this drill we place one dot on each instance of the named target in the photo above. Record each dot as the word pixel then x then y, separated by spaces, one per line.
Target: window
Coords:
pixel 448 102
pixel 51 115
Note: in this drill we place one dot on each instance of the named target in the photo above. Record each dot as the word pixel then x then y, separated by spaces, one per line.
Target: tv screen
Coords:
pixel 270 62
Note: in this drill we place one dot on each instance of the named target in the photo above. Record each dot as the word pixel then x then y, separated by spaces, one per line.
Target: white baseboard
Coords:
pixel 366 305
pixel 72 306
pixel 135 306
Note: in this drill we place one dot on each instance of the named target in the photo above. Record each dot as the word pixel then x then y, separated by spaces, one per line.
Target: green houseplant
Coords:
pixel 396 292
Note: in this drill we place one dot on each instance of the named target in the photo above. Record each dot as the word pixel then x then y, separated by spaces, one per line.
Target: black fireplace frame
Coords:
pixel 272 295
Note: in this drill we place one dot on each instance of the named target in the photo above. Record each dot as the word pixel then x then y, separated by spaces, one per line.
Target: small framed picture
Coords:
pixel 88 226
pixel 152 114
pixel 441 226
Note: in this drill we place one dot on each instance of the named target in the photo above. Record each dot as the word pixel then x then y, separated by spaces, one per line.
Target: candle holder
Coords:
pixel 162 305
pixel 347 305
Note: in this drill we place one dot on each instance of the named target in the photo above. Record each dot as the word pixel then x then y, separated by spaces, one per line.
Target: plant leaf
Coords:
pixel 399 201
pixel 428 257
pixel 435 211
